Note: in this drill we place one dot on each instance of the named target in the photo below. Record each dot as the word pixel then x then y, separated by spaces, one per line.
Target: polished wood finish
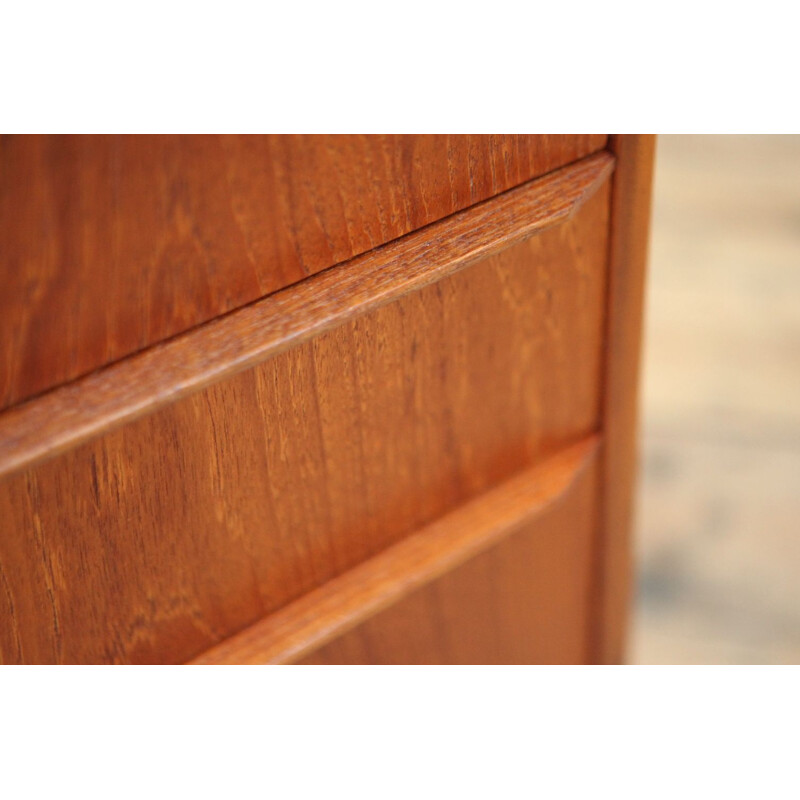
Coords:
pixel 523 601
pixel 376 399
pixel 627 258
pixel 98 403
pixel 342 603
pixel 167 535
pixel 111 244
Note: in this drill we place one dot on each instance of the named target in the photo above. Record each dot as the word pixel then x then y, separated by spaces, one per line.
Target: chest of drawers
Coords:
pixel 326 399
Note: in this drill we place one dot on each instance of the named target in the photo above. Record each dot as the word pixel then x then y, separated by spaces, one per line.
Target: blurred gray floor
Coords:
pixel 718 532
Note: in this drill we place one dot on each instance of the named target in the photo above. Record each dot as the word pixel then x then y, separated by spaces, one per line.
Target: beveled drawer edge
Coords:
pixel 69 415
pixel 349 599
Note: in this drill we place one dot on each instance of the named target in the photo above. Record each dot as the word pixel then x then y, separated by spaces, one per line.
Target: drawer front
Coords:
pixel 159 539
pixel 113 243
pixel 526 600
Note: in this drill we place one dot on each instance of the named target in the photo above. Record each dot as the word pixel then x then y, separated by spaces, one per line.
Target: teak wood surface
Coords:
pixel 221 507
pixel 632 185
pixel 524 601
pixel 73 413
pixel 341 604
pixel 114 243
pixel 402 425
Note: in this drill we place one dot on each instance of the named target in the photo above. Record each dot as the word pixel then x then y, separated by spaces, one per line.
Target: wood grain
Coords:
pixel 632 184
pixel 171 533
pixel 522 601
pixel 98 403
pixel 109 244
pixel 353 597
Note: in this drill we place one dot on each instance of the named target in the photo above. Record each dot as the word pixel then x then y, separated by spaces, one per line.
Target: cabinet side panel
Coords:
pixel 630 219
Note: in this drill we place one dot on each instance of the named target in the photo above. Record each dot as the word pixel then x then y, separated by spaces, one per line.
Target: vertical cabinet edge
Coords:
pixel 628 244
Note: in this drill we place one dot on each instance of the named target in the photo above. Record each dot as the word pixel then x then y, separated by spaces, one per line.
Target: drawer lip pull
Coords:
pixel 349 599
pixel 77 412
